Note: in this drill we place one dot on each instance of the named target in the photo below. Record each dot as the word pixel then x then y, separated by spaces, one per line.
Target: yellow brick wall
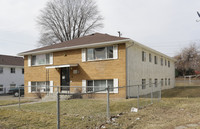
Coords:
pixel 93 70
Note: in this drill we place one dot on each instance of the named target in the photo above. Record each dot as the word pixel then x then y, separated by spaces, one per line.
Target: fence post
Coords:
pixel 138 93
pixel 58 109
pixel 108 104
pixel 160 92
pixel 151 93
pixel 19 97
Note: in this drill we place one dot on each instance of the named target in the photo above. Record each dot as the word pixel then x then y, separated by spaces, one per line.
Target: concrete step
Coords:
pixel 53 97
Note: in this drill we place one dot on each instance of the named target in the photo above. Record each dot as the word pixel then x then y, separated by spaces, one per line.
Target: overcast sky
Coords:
pixel 164 25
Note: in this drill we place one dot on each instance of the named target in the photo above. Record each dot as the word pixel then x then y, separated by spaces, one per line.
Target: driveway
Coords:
pixel 8 97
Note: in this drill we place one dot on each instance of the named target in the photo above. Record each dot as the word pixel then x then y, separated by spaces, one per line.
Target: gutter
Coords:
pixel 74 47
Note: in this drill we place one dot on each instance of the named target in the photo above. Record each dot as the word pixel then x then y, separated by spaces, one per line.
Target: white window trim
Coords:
pixel 51 86
pixel 115 54
pixel 50 60
pixel 83 86
pixel 29 87
pixel 115 84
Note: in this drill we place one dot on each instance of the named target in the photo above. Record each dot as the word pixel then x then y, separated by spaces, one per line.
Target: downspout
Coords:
pixel 127 71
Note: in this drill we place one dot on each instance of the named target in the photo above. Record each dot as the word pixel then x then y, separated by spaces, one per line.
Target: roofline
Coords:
pixel 155 51
pixel 74 47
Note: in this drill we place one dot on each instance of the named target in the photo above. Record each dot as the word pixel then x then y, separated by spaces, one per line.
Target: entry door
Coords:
pixel 64 79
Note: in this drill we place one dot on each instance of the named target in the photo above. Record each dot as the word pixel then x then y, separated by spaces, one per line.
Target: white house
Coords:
pixel 11 72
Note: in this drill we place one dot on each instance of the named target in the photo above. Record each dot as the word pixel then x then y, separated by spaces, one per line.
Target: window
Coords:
pixel 143 83
pixel 165 81
pixel 155 59
pixel 150 57
pixel 168 63
pixel 156 82
pixel 12 86
pixel 1 70
pixel 39 86
pixel 162 82
pixel 12 70
pixel 161 61
pixel 165 62
pixel 99 85
pixel 100 53
pixel 150 82
pixel 143 56
pixel 42 59
pixel 1 88
pixel 22 70
pixel 168 81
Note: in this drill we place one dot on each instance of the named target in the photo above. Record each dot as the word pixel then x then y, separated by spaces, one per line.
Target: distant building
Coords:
pixel 11 72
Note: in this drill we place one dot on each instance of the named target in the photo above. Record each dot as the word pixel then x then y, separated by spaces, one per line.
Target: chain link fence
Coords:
pixel 92 108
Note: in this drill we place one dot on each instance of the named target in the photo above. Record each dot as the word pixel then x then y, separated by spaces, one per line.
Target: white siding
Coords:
pixel 138 70
pixel 7 78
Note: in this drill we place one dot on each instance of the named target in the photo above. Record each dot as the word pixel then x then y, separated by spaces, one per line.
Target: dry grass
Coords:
pixel 88 113
pixel 11 102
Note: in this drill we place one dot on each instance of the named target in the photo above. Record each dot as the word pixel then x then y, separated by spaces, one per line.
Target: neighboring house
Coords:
pixel 11 72
pixel 97 60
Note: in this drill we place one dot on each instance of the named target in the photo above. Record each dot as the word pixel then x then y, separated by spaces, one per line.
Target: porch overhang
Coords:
pixel 61 66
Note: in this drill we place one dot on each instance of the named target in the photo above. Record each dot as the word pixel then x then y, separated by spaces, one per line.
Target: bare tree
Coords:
pixel 63 20
pixel 188 58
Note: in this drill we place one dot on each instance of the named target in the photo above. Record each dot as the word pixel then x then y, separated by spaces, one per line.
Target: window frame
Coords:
pixel 169 82
pixel 46 86
pixel 12 85
pixel 150 57
pixel 155 60
pixel 161 61
pixel 45 58
pixel 168 63
pixel 93 86
pixel 1 88
pixel 143 56
pixel 107 57
pixel 12 70
pixel 22 70
pixel 143 84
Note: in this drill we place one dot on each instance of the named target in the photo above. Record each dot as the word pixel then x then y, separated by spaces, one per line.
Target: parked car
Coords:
pixel 15 91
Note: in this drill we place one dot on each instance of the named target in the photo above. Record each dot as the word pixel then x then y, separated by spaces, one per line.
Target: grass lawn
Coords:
pixel 88 113
pixel 10 102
